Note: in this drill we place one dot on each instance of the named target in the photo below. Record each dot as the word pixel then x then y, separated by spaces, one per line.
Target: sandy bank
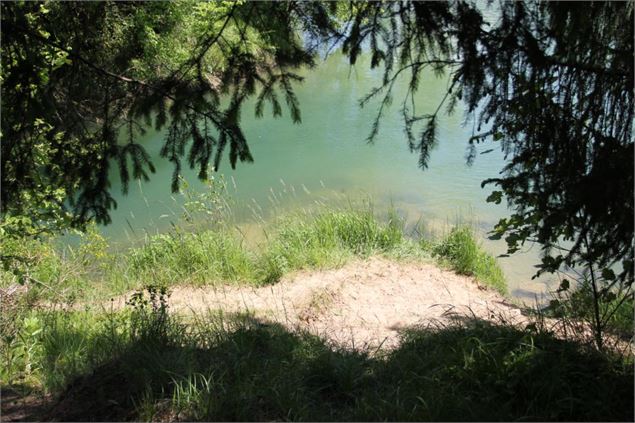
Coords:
pixel 364 303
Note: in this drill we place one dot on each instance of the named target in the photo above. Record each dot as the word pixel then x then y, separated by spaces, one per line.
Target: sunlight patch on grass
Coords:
pixel 461 251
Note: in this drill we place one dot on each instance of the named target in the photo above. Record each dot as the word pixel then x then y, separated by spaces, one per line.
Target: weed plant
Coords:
pixel 575 308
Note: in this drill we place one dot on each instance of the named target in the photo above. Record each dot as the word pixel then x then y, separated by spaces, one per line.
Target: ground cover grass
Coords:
pixel 462 253
pixel 312 240
pixel 144 364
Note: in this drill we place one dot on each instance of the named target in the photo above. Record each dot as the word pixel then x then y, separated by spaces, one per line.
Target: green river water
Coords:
pixel 327 158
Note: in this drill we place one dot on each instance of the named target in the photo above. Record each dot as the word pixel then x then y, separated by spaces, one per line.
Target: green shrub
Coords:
pixel 616 311
pixel 21 351
pixel 28 258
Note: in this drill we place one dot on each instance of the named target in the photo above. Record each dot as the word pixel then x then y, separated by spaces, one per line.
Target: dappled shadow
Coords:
pixel 251 369
pixel 105 394
pixel 19 403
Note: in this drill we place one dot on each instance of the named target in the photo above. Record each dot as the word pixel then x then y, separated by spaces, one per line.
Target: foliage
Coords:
pixel 323 238
pixel 21 347
pixel 461 250
pixel 552 84
pixel 29 260
pixel 61 274
pixel 212 206
pixel 191 257
pixel 240 368
pixel 81 81
pixel 576 308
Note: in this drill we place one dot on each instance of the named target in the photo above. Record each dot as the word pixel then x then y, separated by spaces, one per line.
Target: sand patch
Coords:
pixel 362 303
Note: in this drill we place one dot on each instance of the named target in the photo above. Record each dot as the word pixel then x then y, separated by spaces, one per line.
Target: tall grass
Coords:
pixel 326 240
pixel 204 257
pixel 154 367
pixel 319 239
pixel 462 252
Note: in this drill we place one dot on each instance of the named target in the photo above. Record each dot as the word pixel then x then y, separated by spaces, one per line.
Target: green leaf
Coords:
pixel 609 296
pixel 495 197
pixel 495 236
pixel 608 274
pixel 564 285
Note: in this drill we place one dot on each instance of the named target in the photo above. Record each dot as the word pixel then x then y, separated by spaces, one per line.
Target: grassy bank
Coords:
pixel 324 239
pixel 144 364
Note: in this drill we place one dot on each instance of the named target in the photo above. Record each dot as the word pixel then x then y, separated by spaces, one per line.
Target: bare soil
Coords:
pixel 17 406
pixel 364 303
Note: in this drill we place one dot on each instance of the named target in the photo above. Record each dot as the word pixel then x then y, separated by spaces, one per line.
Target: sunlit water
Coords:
pixel 327 157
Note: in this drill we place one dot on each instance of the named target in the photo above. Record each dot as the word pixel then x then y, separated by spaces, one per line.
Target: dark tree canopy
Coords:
pixel 551 82
pixel 80 81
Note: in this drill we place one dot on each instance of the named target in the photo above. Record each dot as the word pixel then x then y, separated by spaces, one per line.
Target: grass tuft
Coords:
pixel 326 240
pixel 462 253
pixel 200 258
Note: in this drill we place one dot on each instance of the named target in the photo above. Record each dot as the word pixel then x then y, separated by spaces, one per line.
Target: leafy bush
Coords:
pixel 21 351
pixel 577 306
pixel 25 259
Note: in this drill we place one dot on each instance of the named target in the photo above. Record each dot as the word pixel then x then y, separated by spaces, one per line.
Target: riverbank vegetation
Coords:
pixel 321 239
pixel 145 362
pixel 82 82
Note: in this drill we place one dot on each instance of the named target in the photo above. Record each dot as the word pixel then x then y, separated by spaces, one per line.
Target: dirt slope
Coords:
pixel 363 303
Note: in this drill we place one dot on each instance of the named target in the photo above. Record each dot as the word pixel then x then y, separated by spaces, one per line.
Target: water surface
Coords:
pixel 327 157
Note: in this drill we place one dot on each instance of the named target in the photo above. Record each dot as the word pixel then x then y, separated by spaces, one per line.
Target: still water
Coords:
pixel 327 157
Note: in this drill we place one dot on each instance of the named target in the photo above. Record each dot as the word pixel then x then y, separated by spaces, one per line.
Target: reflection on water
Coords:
pixel 327 158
